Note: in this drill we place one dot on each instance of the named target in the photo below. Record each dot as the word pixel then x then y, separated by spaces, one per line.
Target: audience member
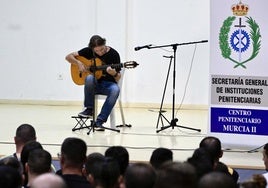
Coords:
pixel 48 180
pixel 256 181
pixel 120 154
pixel 176 175
pixel 24 133
pixel 13 163
pixel 202 161
pixel 10 177
pixel 213 146
pixel 140 175
pixel 103 172
pixel 265 160
pixel 28 147
pixel 159 156
pixel 72 159
pixel 92 166
pixel 39 162
pixel 216 179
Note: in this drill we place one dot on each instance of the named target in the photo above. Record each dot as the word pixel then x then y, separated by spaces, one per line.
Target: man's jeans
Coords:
pixel 110 89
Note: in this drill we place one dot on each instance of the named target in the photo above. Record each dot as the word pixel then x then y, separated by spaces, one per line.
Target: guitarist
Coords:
pixel 106 85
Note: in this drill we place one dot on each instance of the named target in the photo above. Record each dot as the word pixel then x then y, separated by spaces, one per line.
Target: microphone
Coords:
pixel 140 47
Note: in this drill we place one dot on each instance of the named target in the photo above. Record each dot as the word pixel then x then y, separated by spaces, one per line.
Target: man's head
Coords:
pixel 73 153
pixel 120 154
pixel 140 175
pixel 159 156
pixel 24 134
pixel 48 180
pixel 217 179
pixel 176 175
pixel 265 156
pixel 10 177
pixel 213 146
pixel 98 45
pixel 39 162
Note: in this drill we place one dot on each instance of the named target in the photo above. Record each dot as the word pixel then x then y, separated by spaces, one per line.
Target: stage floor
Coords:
pixel 54 123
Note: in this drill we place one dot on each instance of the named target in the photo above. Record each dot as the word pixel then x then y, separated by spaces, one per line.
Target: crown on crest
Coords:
pixel 240 9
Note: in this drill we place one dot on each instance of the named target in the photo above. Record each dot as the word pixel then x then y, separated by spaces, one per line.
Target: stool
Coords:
pixel 82 123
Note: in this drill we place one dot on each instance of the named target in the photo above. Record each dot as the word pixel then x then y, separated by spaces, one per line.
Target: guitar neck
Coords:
pixel 104 67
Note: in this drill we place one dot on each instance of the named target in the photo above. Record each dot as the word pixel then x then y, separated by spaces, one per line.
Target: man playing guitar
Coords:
pixel 105 85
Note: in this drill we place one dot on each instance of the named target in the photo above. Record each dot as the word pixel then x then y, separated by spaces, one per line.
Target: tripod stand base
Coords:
pixel 124 125
pixel 173 124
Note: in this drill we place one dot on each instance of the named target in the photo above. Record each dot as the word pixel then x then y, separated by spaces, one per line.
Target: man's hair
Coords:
pixel 12 162
pixel 266 149
pixel 95 41
pixel 202 161
pixel 108 173
pixel 10 177
pixel 159 156
pixel 25 133
pixel 140 175
pixel 216 179
pixel 120 154
pixel 39 161
pixel 74 151
pixel 213 146
pixel 27 148
pixel 48 180
pixel 92 162
pixel 176 175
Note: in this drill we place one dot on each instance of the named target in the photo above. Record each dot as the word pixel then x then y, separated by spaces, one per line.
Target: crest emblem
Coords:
pixel 239 35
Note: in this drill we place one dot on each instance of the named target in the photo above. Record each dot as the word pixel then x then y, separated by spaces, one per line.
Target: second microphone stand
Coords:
pixel 173 122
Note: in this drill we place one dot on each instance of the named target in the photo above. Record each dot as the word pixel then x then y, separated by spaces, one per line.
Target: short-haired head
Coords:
pixel 25 133
pixel 74 151
pixel 120 154
pixel 213 146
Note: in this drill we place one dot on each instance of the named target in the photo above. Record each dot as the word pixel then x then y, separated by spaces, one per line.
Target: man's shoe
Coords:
pixel 87 113
pixel 98 127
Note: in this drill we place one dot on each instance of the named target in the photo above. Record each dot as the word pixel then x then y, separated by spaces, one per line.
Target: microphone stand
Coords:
pixel 173 122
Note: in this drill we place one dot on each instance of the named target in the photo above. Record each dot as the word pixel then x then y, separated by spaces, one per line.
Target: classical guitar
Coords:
pixel 79 77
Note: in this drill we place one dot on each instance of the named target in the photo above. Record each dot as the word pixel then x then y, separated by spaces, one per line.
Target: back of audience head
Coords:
pixel 159 156
pixel 120 154
pixel 92 166
pixel 12 162
pixel 25 133
pixel 213 146
pixel 216 179
pixel 48 180
pixel 10 177
pixel 28 147
pixel 256 181
pixel 103 171
pixel 176 175
pixel 140 175
pixel 39 162
pixel 202 161
pixel 73 152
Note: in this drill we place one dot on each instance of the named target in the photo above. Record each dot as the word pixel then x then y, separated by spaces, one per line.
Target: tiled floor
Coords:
pixel 54 123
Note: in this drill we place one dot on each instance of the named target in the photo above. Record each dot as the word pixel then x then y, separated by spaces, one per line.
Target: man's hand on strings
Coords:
pixel 111 71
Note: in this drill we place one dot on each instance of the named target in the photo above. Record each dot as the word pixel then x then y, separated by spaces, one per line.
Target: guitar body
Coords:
pixel 79 77
pixel 96 64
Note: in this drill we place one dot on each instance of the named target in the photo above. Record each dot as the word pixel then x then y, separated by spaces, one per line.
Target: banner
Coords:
pixel 238 113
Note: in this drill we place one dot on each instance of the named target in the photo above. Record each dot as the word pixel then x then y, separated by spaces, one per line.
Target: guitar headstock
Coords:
pixel 130 64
